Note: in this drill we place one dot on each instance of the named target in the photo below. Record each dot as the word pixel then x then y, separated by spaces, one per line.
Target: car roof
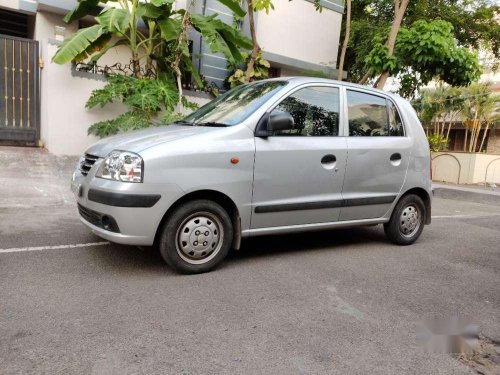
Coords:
pixel 298 80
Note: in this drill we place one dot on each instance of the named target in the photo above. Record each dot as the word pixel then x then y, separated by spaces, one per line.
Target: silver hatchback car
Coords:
pixel 275 156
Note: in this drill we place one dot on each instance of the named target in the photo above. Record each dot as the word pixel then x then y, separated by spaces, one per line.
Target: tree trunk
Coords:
pixel 136 67
pixel 186 22
pixel 484 136
pixel 478 134
pixel 365 79
pixel 399 11
pixel 471 139
pixel 473 133
pixel 465 140
pixel 346 39
pixel 448 132
pixel 444 125
pixel 256 47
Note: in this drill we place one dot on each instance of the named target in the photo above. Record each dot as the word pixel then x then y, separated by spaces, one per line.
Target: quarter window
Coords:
pixel 315 111
pixel 395 124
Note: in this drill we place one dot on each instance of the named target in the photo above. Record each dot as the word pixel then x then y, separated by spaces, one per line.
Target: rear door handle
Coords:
pixel 328 159
pixel 395 157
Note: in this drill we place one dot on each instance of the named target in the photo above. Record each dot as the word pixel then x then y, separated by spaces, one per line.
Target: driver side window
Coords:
pixel 315 111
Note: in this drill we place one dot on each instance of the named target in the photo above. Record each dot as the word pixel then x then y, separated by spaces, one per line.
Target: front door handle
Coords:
pixel 328 159
pixel 395 157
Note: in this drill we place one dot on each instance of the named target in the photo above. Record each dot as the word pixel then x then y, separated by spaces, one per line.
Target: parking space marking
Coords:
pixel 54 247
pixel 80 245
pixel 463 216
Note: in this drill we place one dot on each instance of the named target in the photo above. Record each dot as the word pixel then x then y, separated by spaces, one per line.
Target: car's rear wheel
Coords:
pixel 407 220
pixel 196 237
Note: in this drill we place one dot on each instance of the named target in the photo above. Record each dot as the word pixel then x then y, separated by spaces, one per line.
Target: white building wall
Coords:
pixel 295 29
pixel 64 118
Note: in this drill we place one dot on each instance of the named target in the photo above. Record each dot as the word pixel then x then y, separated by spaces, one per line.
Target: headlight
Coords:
pixel 121 166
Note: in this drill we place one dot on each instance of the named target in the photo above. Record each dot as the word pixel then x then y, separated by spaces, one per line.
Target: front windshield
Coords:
pixel 235 105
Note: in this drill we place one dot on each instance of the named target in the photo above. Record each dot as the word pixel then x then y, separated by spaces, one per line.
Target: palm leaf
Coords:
pixel 78 43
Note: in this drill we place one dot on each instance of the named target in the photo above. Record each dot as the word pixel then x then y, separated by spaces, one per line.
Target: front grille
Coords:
pixel 87 163
pixel 99 220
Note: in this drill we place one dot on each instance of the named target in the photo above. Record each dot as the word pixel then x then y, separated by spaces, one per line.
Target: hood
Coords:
pixel 140 140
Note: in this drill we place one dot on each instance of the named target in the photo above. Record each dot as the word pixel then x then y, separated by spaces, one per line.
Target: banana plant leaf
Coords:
pixel 106 48
pixel 158 3
pixel 150 11
pixel 98 45
pixel 84 8
pixel 114 20
pixel 234 6
pixel 221 37
pixel 170 28
pixel 78 43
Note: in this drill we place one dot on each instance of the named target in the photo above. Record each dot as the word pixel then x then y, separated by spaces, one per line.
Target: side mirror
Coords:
pixel 275 121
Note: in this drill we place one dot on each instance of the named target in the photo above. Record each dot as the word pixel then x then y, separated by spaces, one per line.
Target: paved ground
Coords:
pixel 339 302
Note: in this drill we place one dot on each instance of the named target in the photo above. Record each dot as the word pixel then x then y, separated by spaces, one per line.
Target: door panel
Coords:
pixel 372 180
pixel 378 159
pixel 292 186
pixel 299 172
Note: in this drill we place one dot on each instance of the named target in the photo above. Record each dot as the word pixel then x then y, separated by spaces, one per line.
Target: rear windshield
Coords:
pixel 235 105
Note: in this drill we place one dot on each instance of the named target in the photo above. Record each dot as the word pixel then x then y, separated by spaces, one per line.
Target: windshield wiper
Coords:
pixel 211 124
pixel 182 122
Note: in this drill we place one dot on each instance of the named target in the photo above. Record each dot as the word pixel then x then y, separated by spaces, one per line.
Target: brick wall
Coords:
pixel 494 142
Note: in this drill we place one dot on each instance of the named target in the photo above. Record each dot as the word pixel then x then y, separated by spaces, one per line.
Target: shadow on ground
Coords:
pixel 126 259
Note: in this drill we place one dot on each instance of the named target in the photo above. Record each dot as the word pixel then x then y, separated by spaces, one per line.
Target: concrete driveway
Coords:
pixel 337 302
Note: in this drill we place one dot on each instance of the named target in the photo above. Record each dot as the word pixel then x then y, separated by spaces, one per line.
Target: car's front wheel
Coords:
pixel 407 220
pixel 196 237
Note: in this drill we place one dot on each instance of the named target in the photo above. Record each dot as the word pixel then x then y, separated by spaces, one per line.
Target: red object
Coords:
pixel 235 160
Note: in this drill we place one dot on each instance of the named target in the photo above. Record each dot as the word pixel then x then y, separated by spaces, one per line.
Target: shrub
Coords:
pixel 437 142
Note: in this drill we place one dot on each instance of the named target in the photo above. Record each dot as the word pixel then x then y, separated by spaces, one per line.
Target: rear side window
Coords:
pixel 315 111
pixel 395 124
pixel 372 116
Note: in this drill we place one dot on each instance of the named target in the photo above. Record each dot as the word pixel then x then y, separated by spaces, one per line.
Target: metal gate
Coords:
pixel 19 91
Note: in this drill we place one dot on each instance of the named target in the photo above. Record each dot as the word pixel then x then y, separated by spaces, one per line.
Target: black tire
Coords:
pixel 212 218
pixel 395 228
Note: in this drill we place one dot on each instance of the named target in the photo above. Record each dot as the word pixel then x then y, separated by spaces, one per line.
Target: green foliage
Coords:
pixel 316 73
pixel 266 5
pixel 474 27
pixel 144 98
pixel 475 105
pixel 426 50
pixel 479 102
pixel 79 45
pixel 114 20
pixel 221 37
pixel 378 60
pixel 234 6
pixel 437 142
pixel 260 71
pixel 164 26
pixel 126 122
pixel 158 55
pixel 83 8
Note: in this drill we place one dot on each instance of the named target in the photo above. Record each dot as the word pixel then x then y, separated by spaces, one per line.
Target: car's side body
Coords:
pixel 278 183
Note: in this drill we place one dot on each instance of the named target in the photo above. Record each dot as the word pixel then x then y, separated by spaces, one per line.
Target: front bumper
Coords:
pixel 135 210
